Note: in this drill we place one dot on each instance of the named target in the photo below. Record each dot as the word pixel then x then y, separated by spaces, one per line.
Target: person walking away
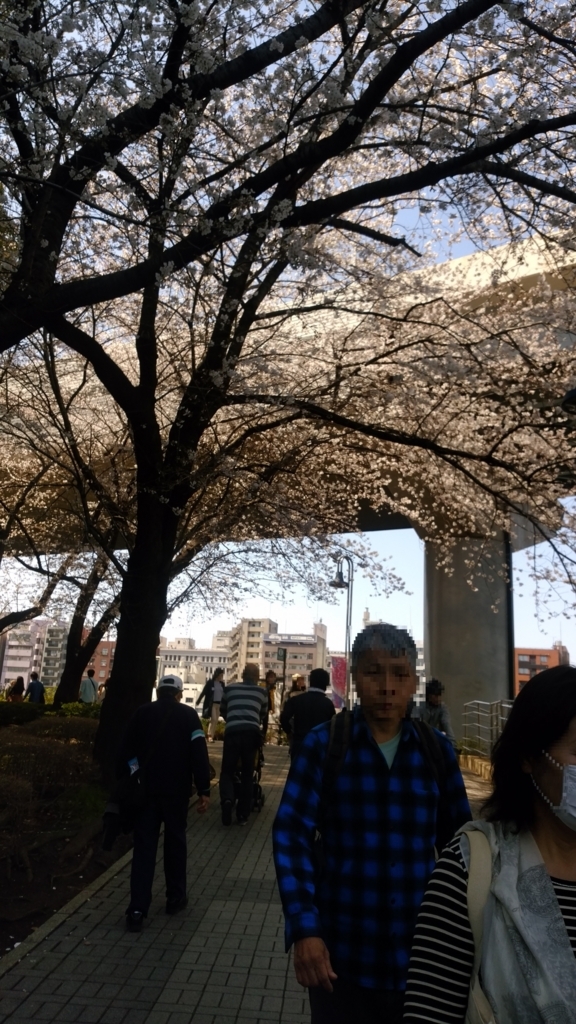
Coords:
pixel 434 712
pixel 305 711
pixel 88 688
pixel 243 708
pixel 165 741
pixel 383 792
pixel 35 691
pixel 15 692
pixel 206 696
pixel 217 691
pixel 270 687
pixel 526 843
pixel 298 686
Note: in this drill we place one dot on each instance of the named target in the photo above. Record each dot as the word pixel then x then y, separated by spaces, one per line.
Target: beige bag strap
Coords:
pixel 479 882
pixel 479 1010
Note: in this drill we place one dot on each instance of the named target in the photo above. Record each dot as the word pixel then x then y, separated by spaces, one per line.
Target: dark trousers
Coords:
pixel 239 746
pixel 172 810
pixel 348 1004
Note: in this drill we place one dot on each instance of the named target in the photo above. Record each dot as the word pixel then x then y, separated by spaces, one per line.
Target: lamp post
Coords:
pixel 339 583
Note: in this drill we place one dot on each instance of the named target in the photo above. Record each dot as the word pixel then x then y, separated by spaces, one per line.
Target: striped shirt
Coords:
pixel 243 707
pixel 443 950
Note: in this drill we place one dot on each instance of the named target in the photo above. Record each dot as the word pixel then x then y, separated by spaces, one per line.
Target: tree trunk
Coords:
pixel 143 613
pixel 78 654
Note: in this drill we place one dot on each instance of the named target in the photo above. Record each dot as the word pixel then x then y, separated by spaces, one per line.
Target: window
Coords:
pixel 524 670
pixel 543 659
pixel 189 700
pixel 104 650
pixel 523 657
pixel 102 674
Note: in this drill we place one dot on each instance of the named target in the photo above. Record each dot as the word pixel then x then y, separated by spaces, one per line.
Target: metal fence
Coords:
pixel 483 722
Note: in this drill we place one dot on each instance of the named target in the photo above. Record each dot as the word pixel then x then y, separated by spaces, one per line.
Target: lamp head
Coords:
pixel 339 583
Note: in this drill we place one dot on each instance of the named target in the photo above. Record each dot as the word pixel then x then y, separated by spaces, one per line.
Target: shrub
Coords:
pixel 75 729
pixel 81 710
pixel 49 765
pixel 19 714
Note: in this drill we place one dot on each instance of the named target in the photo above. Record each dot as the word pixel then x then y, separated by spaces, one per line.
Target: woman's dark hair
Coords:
pixel 540 715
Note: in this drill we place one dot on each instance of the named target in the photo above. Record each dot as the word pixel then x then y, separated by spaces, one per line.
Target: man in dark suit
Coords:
pixel 304 711
pixel 165 743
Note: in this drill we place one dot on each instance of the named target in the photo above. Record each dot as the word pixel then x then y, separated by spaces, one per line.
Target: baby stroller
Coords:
pixel 257 791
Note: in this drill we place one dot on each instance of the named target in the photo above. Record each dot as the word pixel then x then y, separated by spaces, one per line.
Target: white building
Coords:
pixel 193 664
pixel 304 652
pixel 23 649
pixel 221 640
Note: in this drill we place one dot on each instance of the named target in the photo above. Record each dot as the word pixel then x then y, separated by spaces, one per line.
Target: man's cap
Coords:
pixel 174 681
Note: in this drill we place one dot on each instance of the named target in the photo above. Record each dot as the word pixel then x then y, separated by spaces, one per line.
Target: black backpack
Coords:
pixel 432 749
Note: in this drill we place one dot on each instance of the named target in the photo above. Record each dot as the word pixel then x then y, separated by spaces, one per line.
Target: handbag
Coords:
pixel 479 1010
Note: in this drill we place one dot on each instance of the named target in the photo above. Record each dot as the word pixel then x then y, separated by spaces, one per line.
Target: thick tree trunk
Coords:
pixel 143 613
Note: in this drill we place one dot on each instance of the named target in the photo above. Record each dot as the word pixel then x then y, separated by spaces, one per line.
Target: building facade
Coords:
pixel 23 649
pixel 304 652
pixel 102 660
pixel 528 661
pixel 247 644
pixel 193 664
pixel 54 653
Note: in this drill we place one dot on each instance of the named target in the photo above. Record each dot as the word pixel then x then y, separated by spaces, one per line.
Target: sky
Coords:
pixel 404 552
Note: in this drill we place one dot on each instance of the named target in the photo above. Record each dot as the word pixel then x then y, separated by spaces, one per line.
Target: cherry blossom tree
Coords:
pixel 194 183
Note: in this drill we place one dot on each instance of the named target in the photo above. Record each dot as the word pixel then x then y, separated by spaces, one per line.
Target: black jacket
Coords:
pixel 303 712
pixel 168 740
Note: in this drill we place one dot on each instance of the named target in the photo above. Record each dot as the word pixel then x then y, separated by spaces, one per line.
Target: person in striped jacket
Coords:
pixel 243 707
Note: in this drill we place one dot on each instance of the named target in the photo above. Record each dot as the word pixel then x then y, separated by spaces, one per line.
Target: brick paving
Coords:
pixel 222 960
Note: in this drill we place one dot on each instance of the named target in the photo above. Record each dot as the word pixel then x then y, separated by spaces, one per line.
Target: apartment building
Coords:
pixel 23 650
pixel 102 660
pixel 221 640
pixel 54 653
pixel 528 661
pixel 247 644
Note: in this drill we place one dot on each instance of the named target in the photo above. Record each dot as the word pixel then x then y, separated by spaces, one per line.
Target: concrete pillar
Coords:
pixel 468 645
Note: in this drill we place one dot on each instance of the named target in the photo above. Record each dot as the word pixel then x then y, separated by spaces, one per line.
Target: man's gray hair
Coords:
pixel 381 636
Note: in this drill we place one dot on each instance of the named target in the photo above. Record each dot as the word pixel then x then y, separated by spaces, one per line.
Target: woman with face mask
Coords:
pixel 527 952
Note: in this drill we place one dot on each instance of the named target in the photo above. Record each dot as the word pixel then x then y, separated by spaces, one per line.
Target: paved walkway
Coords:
pixel 221 961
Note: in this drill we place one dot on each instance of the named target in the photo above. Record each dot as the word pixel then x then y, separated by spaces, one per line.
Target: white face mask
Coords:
pixel 566 809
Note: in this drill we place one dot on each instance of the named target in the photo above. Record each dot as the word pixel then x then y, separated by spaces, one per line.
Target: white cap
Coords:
pixel 173 681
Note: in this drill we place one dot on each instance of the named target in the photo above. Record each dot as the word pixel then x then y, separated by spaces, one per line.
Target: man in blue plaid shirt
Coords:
pixel 352 923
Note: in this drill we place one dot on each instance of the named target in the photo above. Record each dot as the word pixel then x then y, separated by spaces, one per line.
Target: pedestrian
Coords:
pixel 382 792
pixel 305 711
pixel 206 696
pixel 88 688
pixel 165 742
pixel 270 687
pixel 217 691
pixel 35 691
pixel 526 840
pixel 102 690
pixel 15 692
pixel 434 712
pixel 298 686
pixel 243 708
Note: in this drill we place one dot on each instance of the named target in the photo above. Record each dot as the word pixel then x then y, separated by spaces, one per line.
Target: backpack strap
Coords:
pixel 338 744
pixel 434 756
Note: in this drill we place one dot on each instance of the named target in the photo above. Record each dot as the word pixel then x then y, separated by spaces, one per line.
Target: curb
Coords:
pixel 60 916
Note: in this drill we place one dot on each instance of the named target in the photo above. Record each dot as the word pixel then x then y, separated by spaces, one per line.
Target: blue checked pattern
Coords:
pixel 378 844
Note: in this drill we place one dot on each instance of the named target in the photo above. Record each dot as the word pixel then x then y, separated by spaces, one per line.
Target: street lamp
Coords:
pixel 339 583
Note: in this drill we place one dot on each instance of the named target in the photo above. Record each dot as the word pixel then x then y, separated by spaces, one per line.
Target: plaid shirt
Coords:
pixel 378 843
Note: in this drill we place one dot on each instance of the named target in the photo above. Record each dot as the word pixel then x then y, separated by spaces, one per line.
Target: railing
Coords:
pixel 483 722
